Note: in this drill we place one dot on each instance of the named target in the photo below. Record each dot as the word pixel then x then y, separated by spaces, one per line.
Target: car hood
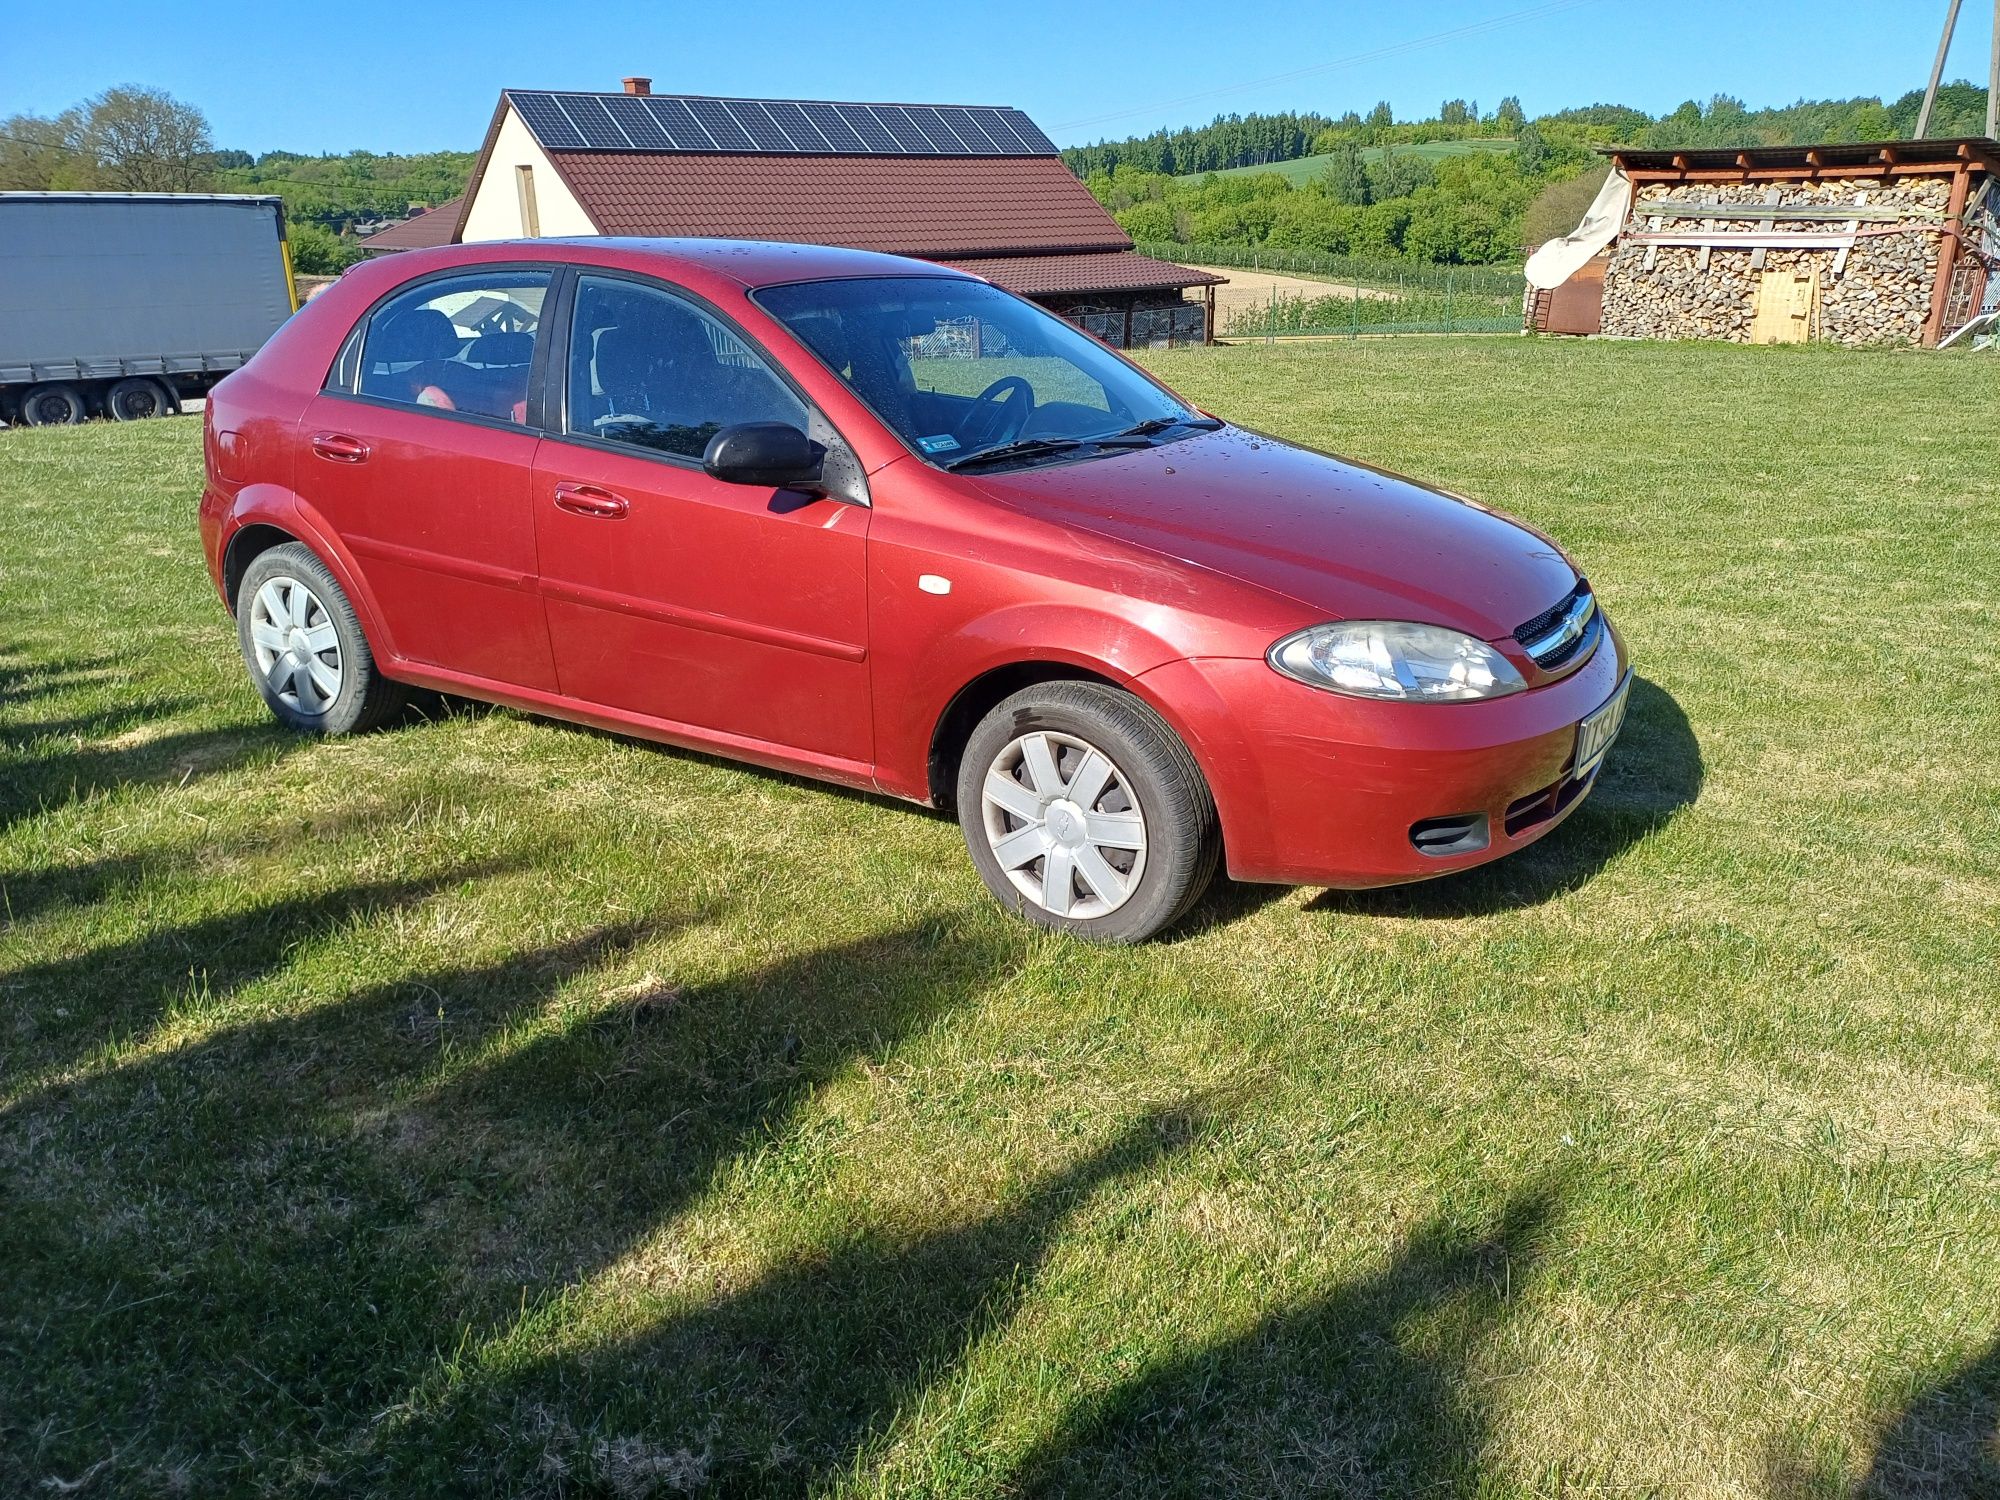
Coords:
pixel 1348 541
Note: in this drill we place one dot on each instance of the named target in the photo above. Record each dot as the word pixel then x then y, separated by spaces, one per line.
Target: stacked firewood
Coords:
pixel 1881 295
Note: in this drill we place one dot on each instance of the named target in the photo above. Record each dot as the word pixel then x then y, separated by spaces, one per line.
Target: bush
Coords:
pixel 318 251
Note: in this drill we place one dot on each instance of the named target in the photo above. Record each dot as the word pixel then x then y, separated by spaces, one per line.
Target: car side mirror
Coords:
pixel 771 455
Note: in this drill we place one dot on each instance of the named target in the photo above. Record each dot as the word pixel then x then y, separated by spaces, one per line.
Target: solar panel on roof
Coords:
pixel 868 125
pixel 971 133
pixel 804 132
pixel 933 123
pixel 994 123
pixel 591 117
pixel 832 123
pixel 896 120
pixel 678 121
pixel 721 125
pixel 1029 132
pixel 637 121
pixel 550 125
pixel 752 116
pixel 666 122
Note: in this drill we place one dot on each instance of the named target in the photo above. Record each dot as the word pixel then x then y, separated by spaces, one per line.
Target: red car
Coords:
pixel 872 520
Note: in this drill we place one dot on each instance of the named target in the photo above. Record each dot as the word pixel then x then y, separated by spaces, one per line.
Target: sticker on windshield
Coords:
pixel 944 442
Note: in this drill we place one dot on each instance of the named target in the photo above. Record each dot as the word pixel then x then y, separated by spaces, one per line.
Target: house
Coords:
pixel 421 231
pixel 975 187
pixel 1891 242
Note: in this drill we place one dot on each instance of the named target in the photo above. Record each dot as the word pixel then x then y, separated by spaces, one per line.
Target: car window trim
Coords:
pixel 556 428
pixel 357 339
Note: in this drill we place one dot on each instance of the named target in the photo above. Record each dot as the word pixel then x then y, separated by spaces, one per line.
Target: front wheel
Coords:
pixel 1084 812
pixel 303 645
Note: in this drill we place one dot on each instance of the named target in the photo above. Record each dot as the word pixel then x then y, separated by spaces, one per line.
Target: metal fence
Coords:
pixel 1148 328
pixel 1280 295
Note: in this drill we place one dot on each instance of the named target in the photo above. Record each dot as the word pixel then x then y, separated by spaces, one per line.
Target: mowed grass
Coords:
pixel 489 1106
pixel 1303 169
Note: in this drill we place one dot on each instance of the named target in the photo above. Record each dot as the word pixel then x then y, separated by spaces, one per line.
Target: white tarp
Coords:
pixel 1558 260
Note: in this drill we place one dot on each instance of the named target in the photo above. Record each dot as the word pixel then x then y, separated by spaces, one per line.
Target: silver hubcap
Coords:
pixel 297 648
pixel 1064 825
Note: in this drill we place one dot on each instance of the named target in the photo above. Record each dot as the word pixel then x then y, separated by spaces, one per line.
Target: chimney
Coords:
pixel 638 85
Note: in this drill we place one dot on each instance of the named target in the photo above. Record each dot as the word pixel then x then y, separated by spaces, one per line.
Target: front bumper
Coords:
pixel 1317 789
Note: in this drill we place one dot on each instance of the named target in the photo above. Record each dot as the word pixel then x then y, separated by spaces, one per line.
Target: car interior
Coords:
pixel 418 355
pixel 648 369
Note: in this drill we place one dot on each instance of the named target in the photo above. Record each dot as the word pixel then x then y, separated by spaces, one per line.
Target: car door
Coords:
pixel 737 609
pixel 420 453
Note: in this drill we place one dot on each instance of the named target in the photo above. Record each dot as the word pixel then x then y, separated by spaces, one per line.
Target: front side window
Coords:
pixel 652 370
pixel 462 344
pixel 961 369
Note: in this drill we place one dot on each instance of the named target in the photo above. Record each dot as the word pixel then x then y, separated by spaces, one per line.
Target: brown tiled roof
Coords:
pixel 932 206
pixel 420 233
pixel 1105 271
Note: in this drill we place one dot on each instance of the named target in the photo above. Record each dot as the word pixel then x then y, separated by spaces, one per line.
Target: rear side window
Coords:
pixel 647 368
pixel 465 344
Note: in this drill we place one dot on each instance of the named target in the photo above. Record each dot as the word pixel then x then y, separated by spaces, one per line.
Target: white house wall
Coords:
pixel 495 213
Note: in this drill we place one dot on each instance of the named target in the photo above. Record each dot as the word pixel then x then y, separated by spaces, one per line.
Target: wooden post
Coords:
pixel 1947 255
pixel 1208 326
pixel 1937 71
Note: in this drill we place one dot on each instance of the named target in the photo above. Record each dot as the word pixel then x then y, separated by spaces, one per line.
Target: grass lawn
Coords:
pixel 1303 169
pixel 488 1106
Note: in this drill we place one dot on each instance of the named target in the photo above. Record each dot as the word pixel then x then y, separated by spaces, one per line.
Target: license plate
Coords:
pixel 1599 728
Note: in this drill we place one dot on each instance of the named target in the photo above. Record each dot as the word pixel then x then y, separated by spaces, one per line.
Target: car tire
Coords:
pixel 303 645
pixel 136 398
pixel 53 406
pixel 1051 830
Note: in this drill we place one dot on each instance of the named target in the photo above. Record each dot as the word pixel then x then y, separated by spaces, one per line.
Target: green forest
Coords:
pixel 1465 187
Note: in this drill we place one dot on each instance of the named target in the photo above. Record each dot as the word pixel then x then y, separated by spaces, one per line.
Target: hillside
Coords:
pixel 1305 168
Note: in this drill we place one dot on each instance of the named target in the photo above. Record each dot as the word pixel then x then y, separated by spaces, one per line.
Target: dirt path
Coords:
pixel 1248 288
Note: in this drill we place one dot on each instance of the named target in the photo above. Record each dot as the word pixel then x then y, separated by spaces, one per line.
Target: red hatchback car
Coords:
pixel 876 521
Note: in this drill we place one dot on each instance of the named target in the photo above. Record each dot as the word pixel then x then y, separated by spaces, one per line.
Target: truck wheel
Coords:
pixel 53 406
pixel 305 650
pixel 136 398
pixel 1084 812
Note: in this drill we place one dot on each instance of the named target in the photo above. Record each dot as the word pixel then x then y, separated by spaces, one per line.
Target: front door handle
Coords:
pixel 589 500
pixel 339 447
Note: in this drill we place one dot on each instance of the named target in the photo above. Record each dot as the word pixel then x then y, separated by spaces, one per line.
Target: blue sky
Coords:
pixel 423 76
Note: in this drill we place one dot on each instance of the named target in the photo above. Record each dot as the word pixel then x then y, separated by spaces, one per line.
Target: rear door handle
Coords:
pixel 339 447
pixel 589 500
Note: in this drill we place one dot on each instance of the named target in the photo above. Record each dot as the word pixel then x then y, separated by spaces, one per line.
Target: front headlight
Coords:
pixel 1396 659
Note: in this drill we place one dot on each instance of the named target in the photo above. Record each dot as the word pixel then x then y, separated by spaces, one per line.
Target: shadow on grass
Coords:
pixel 1945 1445
pixel 805 1369
pixel 1366 1391
pixel 35 785
pixel 68 1006
pixel 260 1242
pixel 1652 773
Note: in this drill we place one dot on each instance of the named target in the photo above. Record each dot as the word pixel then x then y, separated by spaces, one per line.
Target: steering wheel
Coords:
pixel 999 413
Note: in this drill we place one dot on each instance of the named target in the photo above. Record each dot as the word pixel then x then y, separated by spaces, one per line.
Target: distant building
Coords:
pixel 974 187
pixel 1894 242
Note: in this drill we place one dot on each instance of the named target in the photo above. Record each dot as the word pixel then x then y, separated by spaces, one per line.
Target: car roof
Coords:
pixel 750 263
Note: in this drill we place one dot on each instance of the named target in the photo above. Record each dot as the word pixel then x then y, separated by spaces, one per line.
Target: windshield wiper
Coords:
pixel 1153 425
pixel 1024 448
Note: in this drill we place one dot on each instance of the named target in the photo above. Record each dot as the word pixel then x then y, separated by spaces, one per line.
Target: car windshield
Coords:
pixel 970 376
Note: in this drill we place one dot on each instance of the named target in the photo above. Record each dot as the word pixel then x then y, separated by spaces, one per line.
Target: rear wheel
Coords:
pixel 136 398
pixel 53 406
pixel 303 645
pixel 1084 812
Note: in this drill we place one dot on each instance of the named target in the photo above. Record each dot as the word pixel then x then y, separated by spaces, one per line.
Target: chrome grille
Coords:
pixel 1564 632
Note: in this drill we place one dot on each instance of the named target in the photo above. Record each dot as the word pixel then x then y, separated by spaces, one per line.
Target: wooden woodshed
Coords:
pixel 1893 242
